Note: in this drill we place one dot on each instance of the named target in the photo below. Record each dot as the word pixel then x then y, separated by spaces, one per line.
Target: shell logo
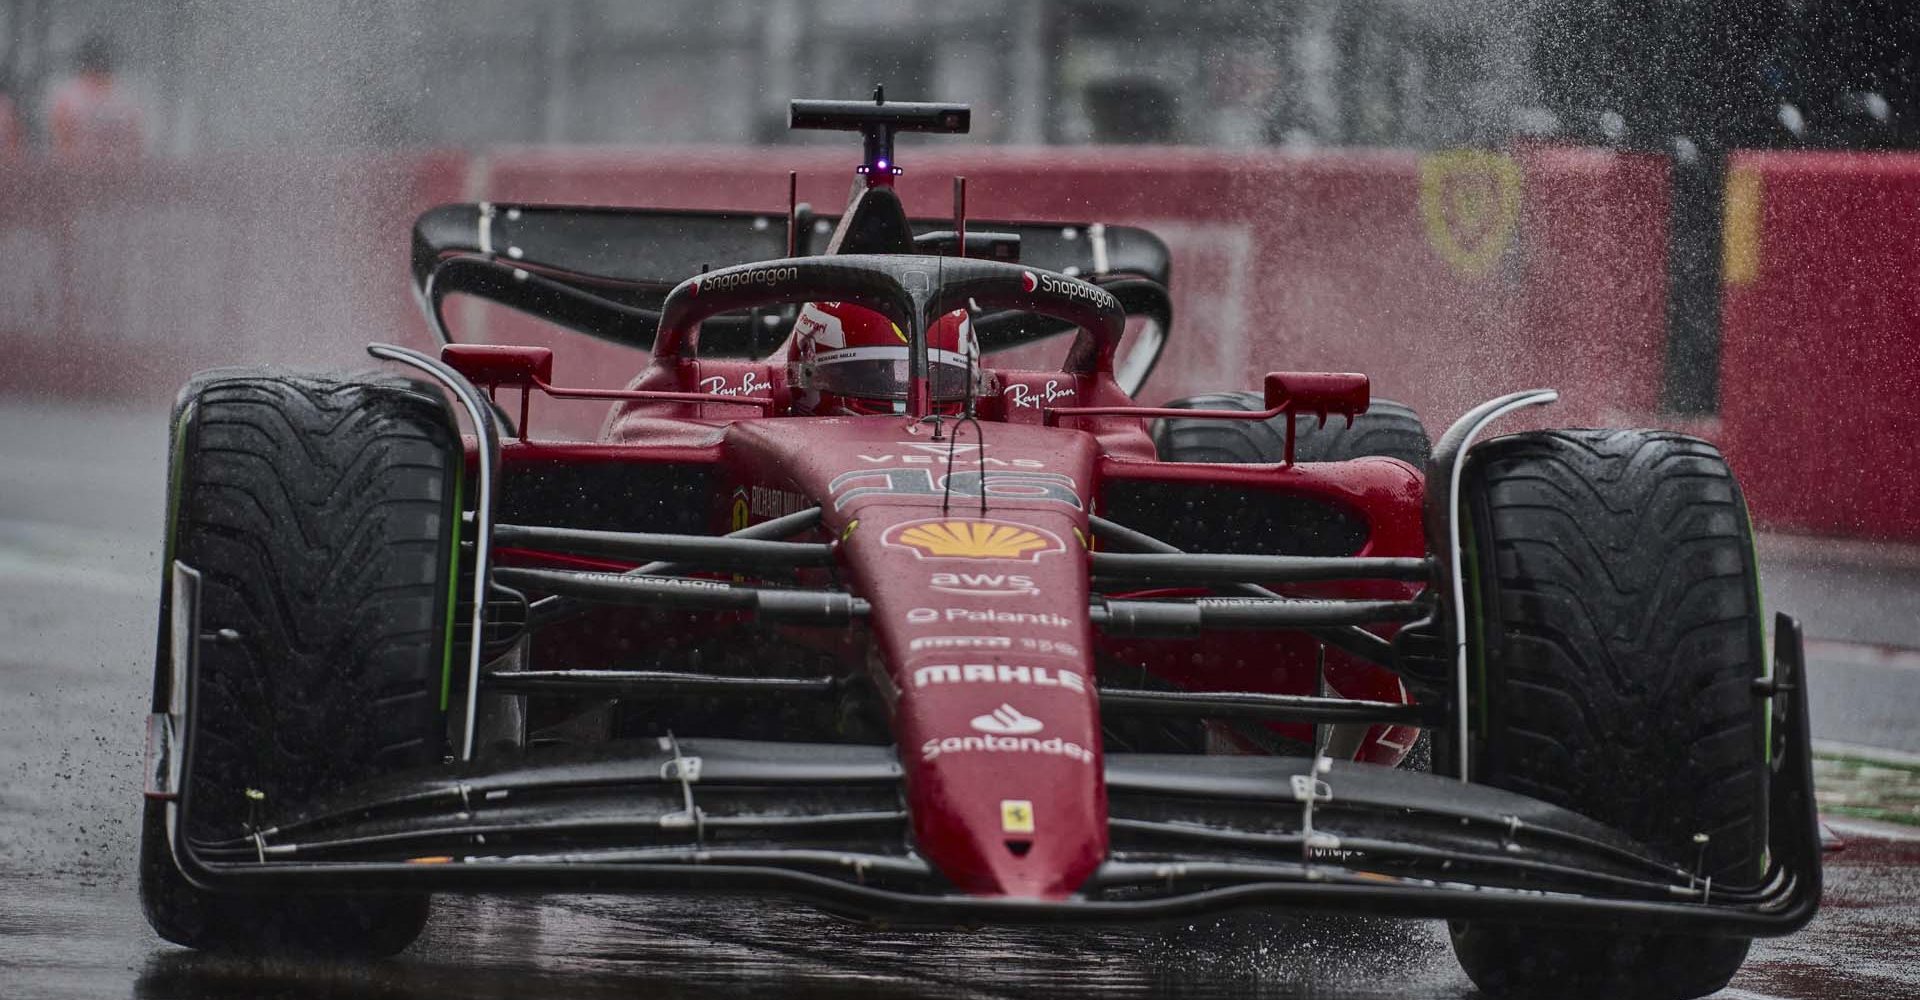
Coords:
pixel 972 539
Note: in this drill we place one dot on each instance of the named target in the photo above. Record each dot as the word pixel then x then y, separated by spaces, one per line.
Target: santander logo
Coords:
pixel 1007 721
pixel 1029 281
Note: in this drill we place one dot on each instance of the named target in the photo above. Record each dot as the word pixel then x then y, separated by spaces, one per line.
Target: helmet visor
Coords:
pixel 881 373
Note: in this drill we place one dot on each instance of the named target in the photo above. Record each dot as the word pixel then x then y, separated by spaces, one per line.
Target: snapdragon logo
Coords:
pixel 1068 288
pixel 737 279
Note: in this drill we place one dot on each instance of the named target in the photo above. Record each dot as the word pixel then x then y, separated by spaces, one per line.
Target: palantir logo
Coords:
pixel 1007 721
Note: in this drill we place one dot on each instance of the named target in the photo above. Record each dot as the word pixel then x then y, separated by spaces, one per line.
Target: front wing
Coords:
pixel 827 824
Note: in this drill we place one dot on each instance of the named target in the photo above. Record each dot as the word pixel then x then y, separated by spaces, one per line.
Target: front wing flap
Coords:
pixel 827 824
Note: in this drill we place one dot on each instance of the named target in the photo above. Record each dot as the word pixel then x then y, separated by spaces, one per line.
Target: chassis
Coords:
pixel 755 535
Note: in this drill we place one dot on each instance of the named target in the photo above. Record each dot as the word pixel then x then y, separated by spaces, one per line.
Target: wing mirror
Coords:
pixel 1345 393
pixel 494 364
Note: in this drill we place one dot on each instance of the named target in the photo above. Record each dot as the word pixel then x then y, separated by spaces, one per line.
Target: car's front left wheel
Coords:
pixel 321 515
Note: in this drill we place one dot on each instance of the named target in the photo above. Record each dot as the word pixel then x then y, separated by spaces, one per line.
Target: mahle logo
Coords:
pixel 936 674
pixel 972 539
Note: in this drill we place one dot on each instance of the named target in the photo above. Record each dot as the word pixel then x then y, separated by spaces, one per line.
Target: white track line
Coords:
pixel 1817 551
pixel 1871 755
pixel 1862 654
pixel 1867 829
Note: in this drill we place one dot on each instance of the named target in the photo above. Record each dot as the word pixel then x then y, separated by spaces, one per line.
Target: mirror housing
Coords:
pixel 494 365
pixel 1345 393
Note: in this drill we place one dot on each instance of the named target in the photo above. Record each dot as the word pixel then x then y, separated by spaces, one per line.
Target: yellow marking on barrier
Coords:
pixel 1470 203
pixel 1740 228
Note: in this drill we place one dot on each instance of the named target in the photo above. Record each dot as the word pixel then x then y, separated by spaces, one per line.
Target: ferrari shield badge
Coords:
pixel 1470 203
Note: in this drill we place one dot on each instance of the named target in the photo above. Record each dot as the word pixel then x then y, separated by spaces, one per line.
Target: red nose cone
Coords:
pixel 982 634
pixel 1011 804
pixel 985 622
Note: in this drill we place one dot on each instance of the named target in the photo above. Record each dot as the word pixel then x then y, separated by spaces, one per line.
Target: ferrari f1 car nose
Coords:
pixel 978 588
pixel 984 626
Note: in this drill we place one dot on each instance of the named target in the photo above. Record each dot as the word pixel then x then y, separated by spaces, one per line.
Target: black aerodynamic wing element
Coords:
pixel 653 249
pixel 656 249
pixel 606 271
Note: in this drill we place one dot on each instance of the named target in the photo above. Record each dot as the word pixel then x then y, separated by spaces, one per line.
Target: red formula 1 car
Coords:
pixel 832 610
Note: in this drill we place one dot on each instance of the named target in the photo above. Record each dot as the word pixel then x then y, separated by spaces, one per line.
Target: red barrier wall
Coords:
pixel 1820 386
pixel 1448 278
pixel 121 282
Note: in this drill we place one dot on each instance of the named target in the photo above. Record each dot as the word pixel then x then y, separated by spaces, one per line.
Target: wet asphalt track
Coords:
pixel 80 497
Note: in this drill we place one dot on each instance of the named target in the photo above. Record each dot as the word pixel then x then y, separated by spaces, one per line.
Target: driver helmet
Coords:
pixel 855 360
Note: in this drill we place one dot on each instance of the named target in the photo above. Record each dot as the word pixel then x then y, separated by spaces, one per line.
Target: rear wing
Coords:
pixel 606 271
pixel 658 248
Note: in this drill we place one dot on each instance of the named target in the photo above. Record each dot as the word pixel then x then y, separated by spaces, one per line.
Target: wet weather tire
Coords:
pixel 1387 428
pixel 1614 638
pixel 321 516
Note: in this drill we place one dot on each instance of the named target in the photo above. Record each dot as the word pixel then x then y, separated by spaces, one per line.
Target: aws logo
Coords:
pixel 972 538
pixel 985 584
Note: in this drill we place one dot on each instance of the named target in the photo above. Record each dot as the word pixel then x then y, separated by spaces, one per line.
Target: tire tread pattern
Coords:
pixel 319 513
pixel 1620 634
